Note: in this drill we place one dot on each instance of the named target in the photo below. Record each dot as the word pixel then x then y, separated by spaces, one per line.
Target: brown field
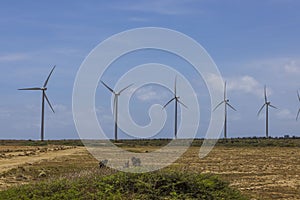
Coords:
pixel 260 172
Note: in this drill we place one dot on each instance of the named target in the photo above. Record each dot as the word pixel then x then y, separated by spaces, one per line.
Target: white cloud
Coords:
pixel 60 108
pixel 165 7
pixel 138 19
pixel 149 94
pixel 104 114
pixel 5 113
pixel 292 67
pixel 99 109
pixel 62 116
pixel 246 84
pixel 213 80
pixel 285 114
pixel 13 57
pixel 277 65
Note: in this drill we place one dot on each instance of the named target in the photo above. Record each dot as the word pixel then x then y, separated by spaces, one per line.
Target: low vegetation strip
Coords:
pixel 164 184
pixel 230 142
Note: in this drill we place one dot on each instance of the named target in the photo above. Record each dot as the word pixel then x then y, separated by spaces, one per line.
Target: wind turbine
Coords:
pixel 299 108
pixel 226 103
pixel 176 98
pixel 115 108
pixel 267 104
pixel 44 96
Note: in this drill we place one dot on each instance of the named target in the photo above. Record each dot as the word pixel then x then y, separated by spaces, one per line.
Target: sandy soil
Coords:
pixel 17 156
pixel 12 157
pixel 261 172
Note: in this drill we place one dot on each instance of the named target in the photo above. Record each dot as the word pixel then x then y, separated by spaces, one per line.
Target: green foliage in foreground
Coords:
pixel 156 185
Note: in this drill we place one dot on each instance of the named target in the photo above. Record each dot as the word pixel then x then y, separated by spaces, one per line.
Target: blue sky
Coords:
pixel 252 42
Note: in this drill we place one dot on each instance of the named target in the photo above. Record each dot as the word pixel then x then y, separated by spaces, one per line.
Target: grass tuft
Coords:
pixel 164 184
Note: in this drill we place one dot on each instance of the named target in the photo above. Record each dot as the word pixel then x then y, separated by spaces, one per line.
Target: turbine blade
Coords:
pixel 225 91
pixel 298 114
pixel 108 87
pixel 46 82
pixel 114 108
pixel 175 86
pixel 231 106
pixel 272 106
pixel 30 89
pixel 261 109
pixel 182 103
pixel 49 103
pixel 36 88
pixel 169 102
pixel 298 95
pixel 218 105
pixel 265 92
pixel 125 88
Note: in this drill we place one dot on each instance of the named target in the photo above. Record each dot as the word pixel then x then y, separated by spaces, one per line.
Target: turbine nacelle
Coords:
pixel 267 104
pixel 176 98
pixel 226 103
pixel 44 96
pixel 115 107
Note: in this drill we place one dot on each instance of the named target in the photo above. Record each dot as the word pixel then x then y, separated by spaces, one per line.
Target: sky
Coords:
pixel 253 43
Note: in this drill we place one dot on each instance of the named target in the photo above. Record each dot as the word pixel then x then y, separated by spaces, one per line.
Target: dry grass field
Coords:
pixel 259 172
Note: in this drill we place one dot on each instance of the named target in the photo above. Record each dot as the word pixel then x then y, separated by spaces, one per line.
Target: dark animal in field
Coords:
pixel 126 165
pixel 103 163
pixel 136 161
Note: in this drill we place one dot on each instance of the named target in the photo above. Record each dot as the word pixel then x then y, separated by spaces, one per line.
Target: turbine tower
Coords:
pixel 176 98
pixel 226 103
pixel 299 108
pixel 44 96
pixel 267 104
pixel 115 107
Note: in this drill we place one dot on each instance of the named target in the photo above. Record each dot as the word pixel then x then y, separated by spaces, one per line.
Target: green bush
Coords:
pixel 155 185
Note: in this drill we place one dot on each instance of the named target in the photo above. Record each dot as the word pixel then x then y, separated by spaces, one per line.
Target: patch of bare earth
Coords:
pixel 17 161
pixel 261 172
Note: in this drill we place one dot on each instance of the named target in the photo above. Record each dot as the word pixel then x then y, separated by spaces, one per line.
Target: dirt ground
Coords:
pixel 14 158
pixel 261 172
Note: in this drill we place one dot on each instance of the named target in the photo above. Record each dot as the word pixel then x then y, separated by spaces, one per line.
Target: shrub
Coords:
pixel 156 185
